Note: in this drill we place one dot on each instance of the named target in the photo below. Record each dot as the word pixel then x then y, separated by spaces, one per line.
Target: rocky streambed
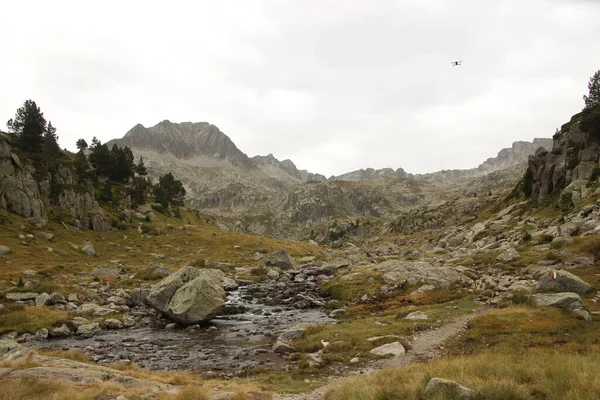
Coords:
pixel 226 345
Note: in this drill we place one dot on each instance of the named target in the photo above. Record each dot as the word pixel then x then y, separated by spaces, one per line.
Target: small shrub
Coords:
pixel 526 236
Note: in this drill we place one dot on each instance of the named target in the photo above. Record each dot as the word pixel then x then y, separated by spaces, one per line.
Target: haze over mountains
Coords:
pixel 264 194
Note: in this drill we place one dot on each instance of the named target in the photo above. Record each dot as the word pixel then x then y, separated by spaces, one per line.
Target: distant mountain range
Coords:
pixel 265 194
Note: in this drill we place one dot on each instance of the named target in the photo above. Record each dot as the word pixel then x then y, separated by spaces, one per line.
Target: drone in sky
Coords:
pixel 456 63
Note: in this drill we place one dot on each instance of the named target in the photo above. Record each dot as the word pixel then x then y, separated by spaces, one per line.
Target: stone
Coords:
pixel 128 321
pixel 105 271
pixel 417 315
pixel 449 389
pixel 293 332
pixel 569 301
pixel 88 248
pixel 272 274
pixel 5 250
pixel 57 298
pixel 229 284
pixel 16 296
pixel 90 309
pixel 562 281
pixel 41 334
pixel 60 332
pixel 314 359
pixel 282 348
pixel 73 298
pixel 561 241
pixel 113 323
pixel 340 312
pixel 189 295
pixel 394 349
pixel 279 259
pixel 42 300
pixel 509 255
pixel 138 297
pixel 88 330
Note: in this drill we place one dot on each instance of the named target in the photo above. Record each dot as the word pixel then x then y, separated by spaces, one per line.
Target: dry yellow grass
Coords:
pixel 512 375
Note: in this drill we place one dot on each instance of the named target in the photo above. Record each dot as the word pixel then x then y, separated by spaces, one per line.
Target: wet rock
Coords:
pixel 448 388
pixel 394 349
pixel 41 334
pixel 562 281
pixel 60 332
pixel 229 284
pixel 88 330
pixel 282 348
pixel 280 259
pixel 294 332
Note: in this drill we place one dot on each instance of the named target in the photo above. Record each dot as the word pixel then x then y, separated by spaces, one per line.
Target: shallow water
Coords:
pixel 226 344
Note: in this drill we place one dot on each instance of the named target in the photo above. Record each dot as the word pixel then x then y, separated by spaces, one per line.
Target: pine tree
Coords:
pixel 81 144
pixel 29 127
pixel 140 168
pixel 169 190
pixel 590 121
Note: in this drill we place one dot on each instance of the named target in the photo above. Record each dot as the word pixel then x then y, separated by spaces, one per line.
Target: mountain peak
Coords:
pixel 185 140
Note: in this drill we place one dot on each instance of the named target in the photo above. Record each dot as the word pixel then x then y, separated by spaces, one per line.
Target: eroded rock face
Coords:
pixel 189 295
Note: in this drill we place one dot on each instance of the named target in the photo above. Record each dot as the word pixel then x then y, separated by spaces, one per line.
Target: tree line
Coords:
pixel 37 140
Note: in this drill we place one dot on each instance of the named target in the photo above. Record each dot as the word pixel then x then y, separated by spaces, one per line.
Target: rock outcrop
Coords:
pixel 19 191
pixel 567 169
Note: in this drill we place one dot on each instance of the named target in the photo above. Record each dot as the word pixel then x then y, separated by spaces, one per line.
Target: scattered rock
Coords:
pixel 340 312
pixel 60 332
pixel 417 315
pixel 42 300
pixel 105 271
pixel 451 389
pixel 88 330
pixel 282 348
pixel 509 255
pixel 294 332
pixel 88 248
pixel 279 259
pixel 394 349
pixel 4 250
pixel 272 274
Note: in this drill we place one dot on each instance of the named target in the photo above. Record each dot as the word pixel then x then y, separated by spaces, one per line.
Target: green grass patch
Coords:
pixel 29 319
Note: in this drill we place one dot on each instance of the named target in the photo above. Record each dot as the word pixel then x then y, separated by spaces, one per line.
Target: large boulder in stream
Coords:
pixel 189 295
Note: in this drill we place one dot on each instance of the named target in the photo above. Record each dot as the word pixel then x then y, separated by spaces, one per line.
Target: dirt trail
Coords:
pixel 423 346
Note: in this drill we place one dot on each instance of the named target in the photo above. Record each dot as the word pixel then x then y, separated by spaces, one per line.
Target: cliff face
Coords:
pixel 19 191
pixel 567 169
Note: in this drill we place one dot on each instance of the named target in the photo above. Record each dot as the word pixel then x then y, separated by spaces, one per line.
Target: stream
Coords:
pixel 226 344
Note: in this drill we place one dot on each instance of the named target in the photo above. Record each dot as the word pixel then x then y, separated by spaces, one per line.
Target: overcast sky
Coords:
pixel 333 85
